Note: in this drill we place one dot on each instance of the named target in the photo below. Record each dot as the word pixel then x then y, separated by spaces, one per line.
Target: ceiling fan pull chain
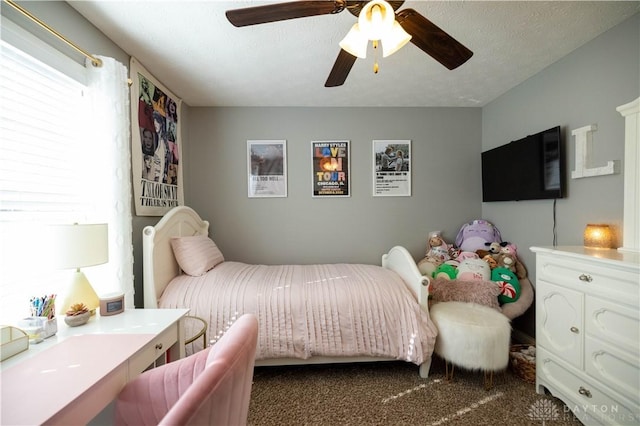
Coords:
pixel 375 56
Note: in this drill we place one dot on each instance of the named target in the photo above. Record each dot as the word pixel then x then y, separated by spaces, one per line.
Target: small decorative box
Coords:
pixel 12 341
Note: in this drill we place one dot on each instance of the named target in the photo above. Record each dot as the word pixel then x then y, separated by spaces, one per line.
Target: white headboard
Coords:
pixel 159 266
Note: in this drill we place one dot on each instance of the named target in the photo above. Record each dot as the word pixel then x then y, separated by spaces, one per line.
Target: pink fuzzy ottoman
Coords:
pixel 472 336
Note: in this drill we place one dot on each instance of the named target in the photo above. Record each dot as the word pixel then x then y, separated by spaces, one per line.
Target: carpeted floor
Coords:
pixel 392 393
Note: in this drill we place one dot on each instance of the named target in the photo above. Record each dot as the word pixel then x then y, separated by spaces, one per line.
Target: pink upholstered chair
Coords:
pixel 210 387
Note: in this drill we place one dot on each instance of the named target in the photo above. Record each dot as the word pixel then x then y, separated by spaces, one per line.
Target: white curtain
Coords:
pixel 110 126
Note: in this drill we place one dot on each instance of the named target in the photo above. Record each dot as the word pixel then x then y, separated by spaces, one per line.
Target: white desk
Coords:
pixel 72 376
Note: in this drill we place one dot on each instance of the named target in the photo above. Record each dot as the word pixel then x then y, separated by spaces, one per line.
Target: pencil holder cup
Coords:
pixel 50 327
pixel 38 328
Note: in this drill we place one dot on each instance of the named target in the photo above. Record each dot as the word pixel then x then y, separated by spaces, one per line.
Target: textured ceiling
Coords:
pixel 193 50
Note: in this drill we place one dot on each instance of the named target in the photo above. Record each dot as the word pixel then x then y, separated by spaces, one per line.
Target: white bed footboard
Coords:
pixel 159 266
pixel 400 261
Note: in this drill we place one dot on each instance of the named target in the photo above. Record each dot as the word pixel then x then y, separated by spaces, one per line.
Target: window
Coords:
pixel 46 174
pixel 43 158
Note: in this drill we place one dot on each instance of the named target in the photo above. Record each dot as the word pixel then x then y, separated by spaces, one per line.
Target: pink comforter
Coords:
pixel 334 310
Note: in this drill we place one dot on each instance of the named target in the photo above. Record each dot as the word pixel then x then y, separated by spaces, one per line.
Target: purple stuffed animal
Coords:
pixel 473 235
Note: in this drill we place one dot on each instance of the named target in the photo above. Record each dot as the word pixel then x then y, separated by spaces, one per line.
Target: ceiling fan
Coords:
pixel 424 34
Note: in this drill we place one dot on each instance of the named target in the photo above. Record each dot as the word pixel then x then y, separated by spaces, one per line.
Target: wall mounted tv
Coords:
pixel 531 168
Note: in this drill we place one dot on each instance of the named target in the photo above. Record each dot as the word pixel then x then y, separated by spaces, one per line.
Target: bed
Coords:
pixel 308 314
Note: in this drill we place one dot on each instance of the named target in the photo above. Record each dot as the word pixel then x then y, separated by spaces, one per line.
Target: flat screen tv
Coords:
pixel 531 168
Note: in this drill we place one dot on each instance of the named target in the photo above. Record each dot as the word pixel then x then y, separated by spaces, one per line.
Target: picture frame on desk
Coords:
pixel 111 304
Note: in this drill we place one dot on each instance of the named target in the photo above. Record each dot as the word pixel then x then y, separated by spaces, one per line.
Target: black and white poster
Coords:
pixel 391 168
pixel 267 167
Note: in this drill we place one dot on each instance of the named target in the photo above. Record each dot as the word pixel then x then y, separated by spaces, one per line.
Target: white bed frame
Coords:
pixel 160 267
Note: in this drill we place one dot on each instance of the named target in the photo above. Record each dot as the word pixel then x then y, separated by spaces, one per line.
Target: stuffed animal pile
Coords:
pixel 478 254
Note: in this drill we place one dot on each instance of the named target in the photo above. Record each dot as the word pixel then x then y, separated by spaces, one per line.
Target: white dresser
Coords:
pixel 588 332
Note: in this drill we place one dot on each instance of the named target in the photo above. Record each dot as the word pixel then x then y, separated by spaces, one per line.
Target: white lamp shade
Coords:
pixel 355 42
pixel 394 40
pixel 375 22
pixel 376 19
pixel 78 246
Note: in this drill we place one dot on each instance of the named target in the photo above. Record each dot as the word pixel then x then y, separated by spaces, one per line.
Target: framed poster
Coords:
pixel 391 168
pixel 331 177
pixel 267 168
pixel 156 145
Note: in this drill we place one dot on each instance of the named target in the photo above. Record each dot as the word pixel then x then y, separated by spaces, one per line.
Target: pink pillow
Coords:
pixel 197 254
pixel 474 291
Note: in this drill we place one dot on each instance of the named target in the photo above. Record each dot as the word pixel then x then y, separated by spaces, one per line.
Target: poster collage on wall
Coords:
pixel 155 144
pixel 330 168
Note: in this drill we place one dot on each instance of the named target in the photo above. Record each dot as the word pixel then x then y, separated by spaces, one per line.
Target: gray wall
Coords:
pixel 301 229
pixel 583 88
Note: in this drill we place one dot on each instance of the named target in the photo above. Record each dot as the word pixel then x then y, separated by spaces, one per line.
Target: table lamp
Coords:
pixel 80 246
pixel 597 236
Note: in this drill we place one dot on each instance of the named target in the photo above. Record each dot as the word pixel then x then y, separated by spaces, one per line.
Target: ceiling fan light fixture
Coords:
pixel 394 40
pixel 427 36
pixel 355 42
pixel 376 19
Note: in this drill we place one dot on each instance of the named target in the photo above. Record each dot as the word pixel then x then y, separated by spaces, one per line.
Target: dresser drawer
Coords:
pixel 613 323
pixel 584 395
pixel 157 347
pixel 616 368
pixel 595 278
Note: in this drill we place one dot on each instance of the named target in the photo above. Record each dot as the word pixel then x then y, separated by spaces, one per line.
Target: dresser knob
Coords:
pixel 585 392
pixel 574 330
pixel 159 346
pixel 585 278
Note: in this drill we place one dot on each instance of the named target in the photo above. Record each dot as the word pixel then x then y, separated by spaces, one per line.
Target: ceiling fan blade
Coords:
pixel 282 11
pixel 433 40
pixel 340 69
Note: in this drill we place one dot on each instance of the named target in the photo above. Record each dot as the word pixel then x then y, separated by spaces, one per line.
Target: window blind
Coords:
pixel 45 166
pixel 45 174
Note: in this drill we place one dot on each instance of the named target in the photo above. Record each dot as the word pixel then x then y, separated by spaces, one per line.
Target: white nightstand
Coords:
pixel 75 374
